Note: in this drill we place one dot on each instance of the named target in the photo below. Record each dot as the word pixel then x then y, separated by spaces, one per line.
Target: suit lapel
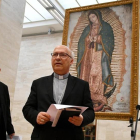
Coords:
pixel 49 87
pixel 69 88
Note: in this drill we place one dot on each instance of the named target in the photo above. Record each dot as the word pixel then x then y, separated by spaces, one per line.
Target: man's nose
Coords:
pixel 58 57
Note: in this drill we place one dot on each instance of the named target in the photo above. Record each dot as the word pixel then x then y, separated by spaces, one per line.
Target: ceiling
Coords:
pixel 47 16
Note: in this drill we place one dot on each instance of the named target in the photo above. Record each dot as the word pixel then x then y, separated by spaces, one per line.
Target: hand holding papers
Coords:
pixel 61 113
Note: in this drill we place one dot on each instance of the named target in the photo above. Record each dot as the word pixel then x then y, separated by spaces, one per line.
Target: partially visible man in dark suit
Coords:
pixel 60 88
pixel 5 116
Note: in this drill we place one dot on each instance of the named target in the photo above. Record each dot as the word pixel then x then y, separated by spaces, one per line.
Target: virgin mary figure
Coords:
pixel 95 48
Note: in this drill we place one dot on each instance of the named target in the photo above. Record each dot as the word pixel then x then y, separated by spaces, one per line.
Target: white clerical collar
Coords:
pixel 61 77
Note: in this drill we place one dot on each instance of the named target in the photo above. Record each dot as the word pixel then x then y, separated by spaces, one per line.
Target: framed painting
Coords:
pixel 105 41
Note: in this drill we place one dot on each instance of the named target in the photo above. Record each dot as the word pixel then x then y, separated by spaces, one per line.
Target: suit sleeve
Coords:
pixel 88 115
pixel 30 108
pixel 10 128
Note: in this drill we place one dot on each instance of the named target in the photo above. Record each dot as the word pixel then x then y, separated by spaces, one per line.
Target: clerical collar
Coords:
pixel 61 77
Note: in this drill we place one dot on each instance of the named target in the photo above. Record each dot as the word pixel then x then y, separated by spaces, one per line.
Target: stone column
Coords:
pixel 11 20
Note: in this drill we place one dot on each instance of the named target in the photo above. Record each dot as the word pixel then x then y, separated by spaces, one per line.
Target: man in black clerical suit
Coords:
pixel 60 88
pixel 5 116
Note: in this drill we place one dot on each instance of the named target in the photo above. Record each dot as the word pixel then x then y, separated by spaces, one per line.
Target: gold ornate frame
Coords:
pixel 134 55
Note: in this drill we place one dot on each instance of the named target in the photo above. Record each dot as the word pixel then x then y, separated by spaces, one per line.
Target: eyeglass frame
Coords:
pixel 59 55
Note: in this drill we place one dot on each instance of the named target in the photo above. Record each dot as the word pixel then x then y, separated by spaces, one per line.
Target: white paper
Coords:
pixel 52 110
pixel 56 118
pixel 14 138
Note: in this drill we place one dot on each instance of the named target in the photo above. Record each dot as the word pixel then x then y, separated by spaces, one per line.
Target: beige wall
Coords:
pixel 11 19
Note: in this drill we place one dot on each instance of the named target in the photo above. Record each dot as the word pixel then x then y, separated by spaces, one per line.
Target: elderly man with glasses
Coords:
pixel 58 88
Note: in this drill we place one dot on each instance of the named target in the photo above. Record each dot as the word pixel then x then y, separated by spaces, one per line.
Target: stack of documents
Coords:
pixel 61 113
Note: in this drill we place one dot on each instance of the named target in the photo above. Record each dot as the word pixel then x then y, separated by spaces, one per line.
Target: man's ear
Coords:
pixel 71 62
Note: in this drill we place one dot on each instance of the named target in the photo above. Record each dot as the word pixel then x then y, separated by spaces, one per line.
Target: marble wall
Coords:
pixel 11 19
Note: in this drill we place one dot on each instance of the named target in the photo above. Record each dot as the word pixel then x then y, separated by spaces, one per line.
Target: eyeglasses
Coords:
pixel 62 55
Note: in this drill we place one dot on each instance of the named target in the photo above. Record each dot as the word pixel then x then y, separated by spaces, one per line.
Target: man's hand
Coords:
pixel 11 135
pixel 42 118
pixel 76 120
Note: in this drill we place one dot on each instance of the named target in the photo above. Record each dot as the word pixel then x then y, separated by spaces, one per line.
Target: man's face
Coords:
pixel 60 64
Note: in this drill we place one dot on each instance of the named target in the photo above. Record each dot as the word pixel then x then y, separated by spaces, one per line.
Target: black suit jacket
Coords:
pixel 5 106
pixel 41 97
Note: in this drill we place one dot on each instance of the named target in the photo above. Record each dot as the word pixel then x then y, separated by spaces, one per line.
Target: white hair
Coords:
pixel 71 52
